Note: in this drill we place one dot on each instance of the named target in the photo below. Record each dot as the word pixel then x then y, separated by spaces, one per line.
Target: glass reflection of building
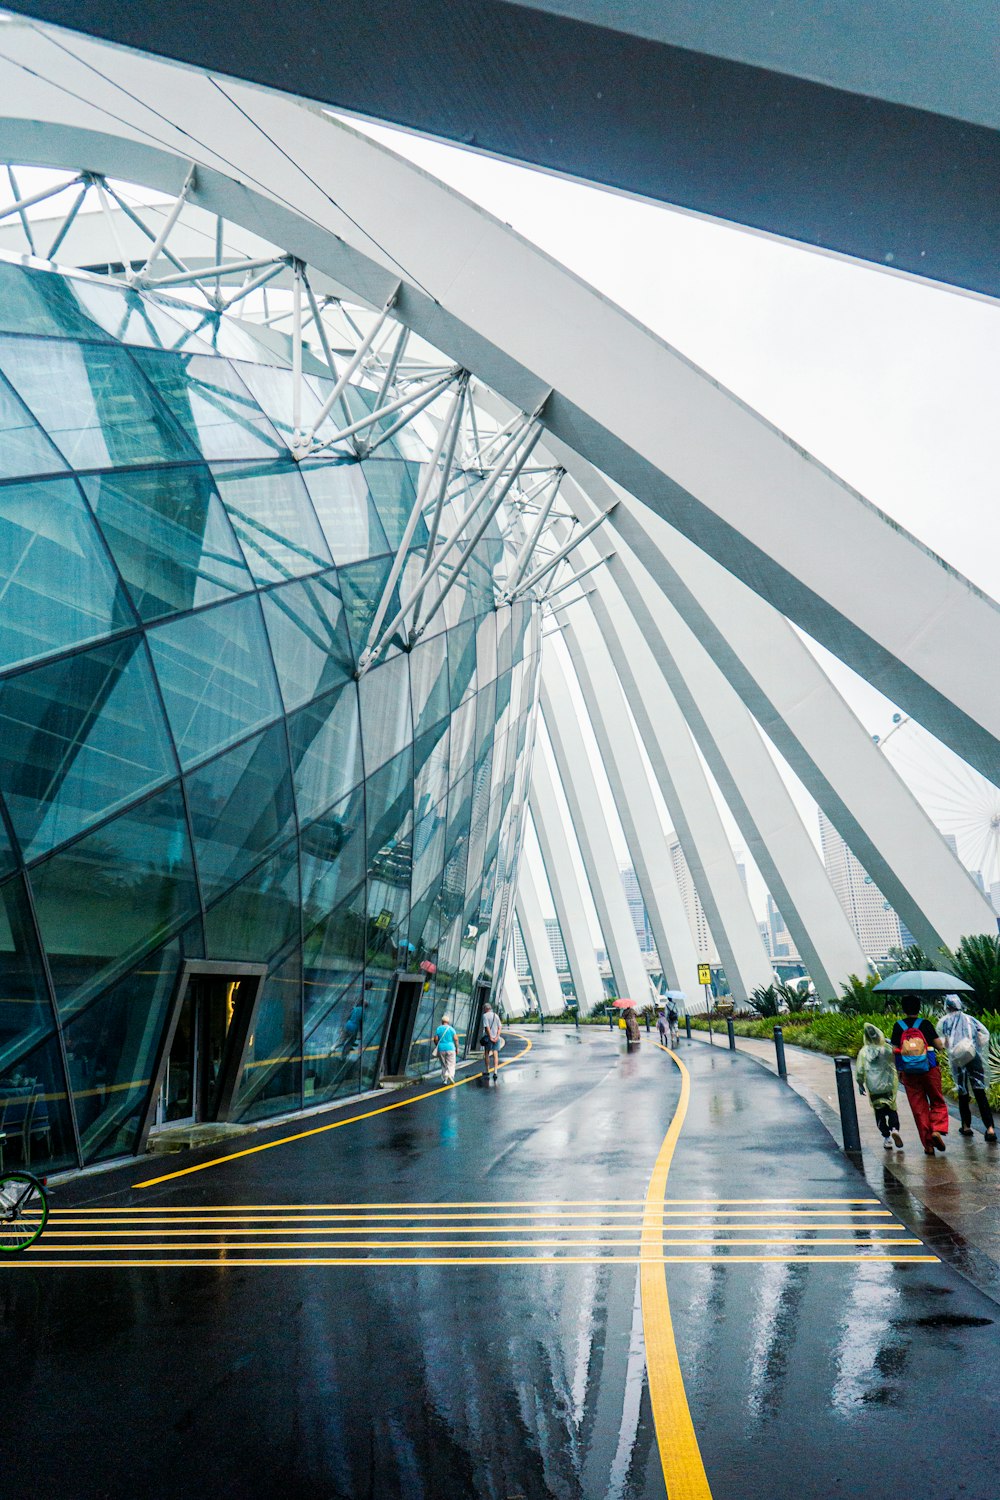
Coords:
pixel 190 772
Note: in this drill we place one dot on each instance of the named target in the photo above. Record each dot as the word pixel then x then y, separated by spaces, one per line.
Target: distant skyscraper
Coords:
pixel 636 905
pixel 522 968
pixel 780 943
pixel 557 945
pixel 875 924
pixel 698 922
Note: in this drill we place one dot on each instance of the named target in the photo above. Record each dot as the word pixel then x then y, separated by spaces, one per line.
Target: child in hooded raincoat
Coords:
pixel 876 1073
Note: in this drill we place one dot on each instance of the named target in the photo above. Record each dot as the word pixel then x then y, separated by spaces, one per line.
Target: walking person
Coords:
pixel 965 1038
pixel 446 1047
pixel 914 1043
pixel 673 1017
pixel 662 1028
pixel 876 1073
pixel 490 1042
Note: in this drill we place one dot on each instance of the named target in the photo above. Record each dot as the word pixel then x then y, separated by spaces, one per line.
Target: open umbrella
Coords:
pixel 624 1004
pixel 675 995
pixel 915 981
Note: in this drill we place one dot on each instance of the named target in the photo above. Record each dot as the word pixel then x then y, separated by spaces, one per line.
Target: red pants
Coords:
pixel 927 1103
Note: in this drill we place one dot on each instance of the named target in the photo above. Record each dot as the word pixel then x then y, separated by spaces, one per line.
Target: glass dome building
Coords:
pixel 239 878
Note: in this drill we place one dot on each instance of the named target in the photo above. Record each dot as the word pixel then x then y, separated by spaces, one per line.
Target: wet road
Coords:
pixel 483 1334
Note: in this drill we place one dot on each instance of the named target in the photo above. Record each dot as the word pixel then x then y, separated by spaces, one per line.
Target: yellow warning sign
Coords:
pixel 704 974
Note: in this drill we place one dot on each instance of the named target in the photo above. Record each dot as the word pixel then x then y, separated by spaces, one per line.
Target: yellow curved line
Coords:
pixel 683 1469
pixel 302 1135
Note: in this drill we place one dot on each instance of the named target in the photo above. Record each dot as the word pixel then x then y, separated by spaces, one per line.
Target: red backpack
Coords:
pixel 914 1054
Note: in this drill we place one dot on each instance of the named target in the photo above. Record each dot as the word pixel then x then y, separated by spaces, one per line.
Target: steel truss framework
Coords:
pixel 629 490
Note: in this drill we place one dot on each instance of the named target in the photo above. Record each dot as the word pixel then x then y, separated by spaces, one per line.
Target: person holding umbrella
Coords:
pixel 915 1042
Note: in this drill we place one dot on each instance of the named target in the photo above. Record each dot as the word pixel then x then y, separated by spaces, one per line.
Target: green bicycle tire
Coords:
pixel 21 1232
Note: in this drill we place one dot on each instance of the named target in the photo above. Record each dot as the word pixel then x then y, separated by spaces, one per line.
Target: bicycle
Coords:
pixel 24 1211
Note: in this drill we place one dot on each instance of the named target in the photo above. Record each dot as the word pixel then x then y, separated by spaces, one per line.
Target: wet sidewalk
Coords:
pixel 952 1201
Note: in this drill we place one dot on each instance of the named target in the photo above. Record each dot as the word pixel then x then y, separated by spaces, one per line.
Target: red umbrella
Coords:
pixel 624 1004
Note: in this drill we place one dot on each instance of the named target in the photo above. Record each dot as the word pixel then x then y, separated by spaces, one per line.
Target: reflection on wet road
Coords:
pixel 456 1295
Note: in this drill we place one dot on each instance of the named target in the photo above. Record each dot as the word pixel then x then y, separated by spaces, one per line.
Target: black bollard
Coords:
pixel 732 1033
pixel 779 1051
pixel 687 1024
pixel 848 1105
pixel 647 1020
pixel 611 1019
pixel 576 1018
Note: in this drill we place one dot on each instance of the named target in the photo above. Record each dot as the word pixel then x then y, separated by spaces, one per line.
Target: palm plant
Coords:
pixel 766 1000
pixel 910 958
pixel 977 961
pixel 858 997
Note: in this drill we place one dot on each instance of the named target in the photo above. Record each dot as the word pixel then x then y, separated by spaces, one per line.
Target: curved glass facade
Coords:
pixel 189 769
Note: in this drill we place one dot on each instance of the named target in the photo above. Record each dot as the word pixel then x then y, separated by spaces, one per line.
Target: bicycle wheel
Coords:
pixel 24 1210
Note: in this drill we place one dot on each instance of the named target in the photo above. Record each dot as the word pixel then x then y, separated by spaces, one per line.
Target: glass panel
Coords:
pixel 463 728
pixel 336 1043
pixel 504 636
pixel 24 448
pixel 111 1053
pixel 25 1010
pixel 93 402
pixel 7 860
pixel 345 509
pixel 379 986
pixel 429 683
pixel 486 648
pixel 79 739
pixel 113 896
pixel 486 718
pixel 272 1077
pixel 361 586
pixel 389 809
pixel 326 751
pixel 393 486
pixel 309 639
pixel 57 587
pixel 170 537
pixel 273 518
pixel 212 405
pixel 34 1112
pixel 385 712
pixel 132 318
pixel 428 852
pixel 462 661
pixel 334 951
pixel 260 917
pixel 430 768
pixel 333 858
pixel 241 809
pixel 420 1058
pixel 273 387
pixel 42 302
pixel 216 675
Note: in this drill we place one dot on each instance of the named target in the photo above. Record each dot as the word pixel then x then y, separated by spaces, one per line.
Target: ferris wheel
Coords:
pixel 961 802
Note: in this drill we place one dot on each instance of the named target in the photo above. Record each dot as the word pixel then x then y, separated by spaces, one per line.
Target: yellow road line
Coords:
pixel 238 1226
pixel 335 1125
pixel 548 1244
pixel 683 1469
pixel 33 1262
pixel 438 1203
pixel 237 1216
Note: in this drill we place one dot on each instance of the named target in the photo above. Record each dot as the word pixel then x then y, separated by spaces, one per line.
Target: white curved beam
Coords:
pixel 600 862
pixel 620 396
pixel 536 942
pixel 563 875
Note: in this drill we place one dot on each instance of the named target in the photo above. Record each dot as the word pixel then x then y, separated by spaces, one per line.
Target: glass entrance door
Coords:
pixel 197 1059
pixel 177 1096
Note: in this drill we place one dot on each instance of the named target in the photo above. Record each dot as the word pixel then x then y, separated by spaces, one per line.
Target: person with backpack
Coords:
pixel 965 1037
pixel 875 1071
pixel 672 1019
pixel 662 1029
pixel 490 1042
pixel 445 1045
pixel 914 1040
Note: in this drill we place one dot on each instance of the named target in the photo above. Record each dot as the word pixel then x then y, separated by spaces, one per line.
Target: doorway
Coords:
pixel 399 1029
pixel 205 1045
pixel 482 993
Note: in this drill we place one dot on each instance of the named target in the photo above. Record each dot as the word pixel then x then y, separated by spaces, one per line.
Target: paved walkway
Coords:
pixel 951 1200
pixel 607 1277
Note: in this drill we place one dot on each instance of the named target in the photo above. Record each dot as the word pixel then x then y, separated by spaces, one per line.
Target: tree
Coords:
pixel 977 961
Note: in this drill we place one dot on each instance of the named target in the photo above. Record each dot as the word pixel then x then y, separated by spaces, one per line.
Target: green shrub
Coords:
pixel 858 997
pixel 977 961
